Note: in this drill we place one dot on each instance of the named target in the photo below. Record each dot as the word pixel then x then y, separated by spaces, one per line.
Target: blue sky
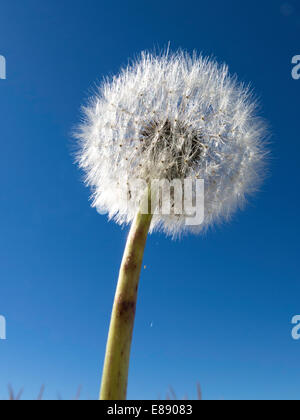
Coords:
pixel 216 308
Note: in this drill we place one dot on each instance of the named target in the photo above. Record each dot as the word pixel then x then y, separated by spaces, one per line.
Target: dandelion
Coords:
pixel 166 117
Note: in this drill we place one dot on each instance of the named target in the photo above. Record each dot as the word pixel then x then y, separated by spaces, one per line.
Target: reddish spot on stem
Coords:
pixel 126 308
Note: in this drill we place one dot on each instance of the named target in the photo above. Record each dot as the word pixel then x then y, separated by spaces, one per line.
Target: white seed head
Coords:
pixel 171 116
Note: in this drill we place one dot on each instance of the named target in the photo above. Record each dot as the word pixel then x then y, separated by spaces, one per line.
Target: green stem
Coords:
pixel 116 363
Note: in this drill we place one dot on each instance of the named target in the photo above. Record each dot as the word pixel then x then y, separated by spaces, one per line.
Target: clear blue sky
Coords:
pixel 221 305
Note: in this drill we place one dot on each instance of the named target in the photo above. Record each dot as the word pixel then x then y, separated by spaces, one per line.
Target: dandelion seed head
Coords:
pixel 171 116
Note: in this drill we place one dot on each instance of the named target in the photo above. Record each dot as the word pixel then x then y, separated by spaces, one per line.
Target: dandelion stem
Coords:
pixel 116 363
